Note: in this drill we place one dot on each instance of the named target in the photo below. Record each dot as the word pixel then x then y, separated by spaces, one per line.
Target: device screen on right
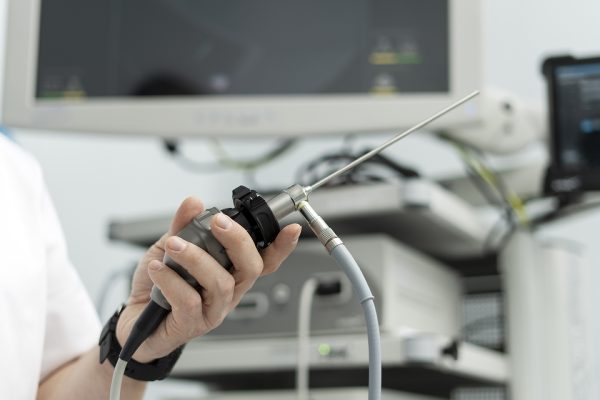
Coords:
pixel 577 115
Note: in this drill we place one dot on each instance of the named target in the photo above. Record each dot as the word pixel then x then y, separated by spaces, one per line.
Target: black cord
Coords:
pixel 348 143
pixel 144 326
pixel 172 146
pixel 322 166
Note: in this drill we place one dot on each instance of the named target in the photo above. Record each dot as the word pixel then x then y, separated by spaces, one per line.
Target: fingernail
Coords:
pixel 176 243
pixel 223 221
pixel 297 235
pixel 155 265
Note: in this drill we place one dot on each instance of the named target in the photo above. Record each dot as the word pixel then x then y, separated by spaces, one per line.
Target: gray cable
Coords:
pixel 117 380
pixel 343 257
pixel 304 313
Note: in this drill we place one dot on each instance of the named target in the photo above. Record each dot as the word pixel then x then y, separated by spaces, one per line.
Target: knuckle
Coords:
pixel 194 255
pixel 187 331
pixel 255 267
pixel 247 240
pixel 192 302
pixel 177 331
pixel 225 284
pixel 239 235
pixel 195 329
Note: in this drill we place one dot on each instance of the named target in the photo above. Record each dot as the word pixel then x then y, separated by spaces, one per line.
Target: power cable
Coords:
pixel 224 160
pixel 307 295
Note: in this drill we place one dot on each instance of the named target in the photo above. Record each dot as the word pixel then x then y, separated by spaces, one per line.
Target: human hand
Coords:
pixel 195 314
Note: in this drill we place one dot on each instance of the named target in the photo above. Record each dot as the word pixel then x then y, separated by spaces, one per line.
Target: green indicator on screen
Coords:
pixel 324 349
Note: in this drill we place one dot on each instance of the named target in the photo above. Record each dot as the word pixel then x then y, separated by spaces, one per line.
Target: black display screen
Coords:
pixel 241 47
pixel 577 115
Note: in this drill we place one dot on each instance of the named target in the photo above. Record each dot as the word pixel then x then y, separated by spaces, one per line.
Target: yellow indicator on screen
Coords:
pixel 383 90
pixel 70 94
pixel 394 58
pixel 64 94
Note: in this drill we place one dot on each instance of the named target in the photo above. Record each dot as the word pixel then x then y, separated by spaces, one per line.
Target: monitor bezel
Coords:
pixel 236 116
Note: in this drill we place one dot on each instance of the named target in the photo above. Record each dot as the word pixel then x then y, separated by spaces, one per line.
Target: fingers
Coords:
pixel 221 290
pixel 189 208
pixel 218 284
pixel 195 314
pixel 248 263
pixel 281 248
pixel 180 295
pixel 242 252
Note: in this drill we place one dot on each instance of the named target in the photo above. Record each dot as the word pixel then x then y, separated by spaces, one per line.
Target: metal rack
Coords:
pixel 417 363
pixel 417 212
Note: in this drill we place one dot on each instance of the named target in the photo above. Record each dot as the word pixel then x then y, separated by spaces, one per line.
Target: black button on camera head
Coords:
pixel 253 213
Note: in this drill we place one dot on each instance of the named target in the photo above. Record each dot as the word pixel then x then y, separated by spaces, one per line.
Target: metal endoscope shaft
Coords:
pixel 390 142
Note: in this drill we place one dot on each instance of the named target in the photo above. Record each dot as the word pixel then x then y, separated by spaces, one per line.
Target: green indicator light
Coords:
pixel 324 349
pixel 408 58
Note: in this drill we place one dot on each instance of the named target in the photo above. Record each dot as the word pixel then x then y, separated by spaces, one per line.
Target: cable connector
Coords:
pixel 287 201
pixel 324 233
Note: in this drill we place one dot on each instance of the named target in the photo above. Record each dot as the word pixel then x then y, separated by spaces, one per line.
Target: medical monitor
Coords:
pixel 574 113
pixel 240 67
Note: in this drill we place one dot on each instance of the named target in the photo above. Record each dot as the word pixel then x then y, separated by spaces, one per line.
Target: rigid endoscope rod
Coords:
pixel 390 142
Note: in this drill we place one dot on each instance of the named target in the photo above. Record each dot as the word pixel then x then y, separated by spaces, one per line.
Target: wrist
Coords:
pixel 148 364
pixel 127 318
pixel 154 347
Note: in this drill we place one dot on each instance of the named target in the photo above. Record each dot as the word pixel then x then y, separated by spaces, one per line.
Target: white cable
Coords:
pixel 361 287
pixel 117 380
pixel 304 313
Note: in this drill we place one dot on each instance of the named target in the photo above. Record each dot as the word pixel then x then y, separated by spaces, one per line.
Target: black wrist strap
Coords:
pixel 110 349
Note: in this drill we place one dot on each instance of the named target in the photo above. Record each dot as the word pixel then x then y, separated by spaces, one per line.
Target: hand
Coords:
pixel 195 314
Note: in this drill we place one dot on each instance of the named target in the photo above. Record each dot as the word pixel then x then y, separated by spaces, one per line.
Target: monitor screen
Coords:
pixel 574 113
pixel 266 47
pixel 237 68
pixel 578 115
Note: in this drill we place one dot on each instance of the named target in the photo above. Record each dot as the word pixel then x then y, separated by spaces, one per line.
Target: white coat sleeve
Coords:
pixel 72 325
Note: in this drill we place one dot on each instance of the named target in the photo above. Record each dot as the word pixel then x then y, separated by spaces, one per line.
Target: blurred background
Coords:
pixel 97 179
